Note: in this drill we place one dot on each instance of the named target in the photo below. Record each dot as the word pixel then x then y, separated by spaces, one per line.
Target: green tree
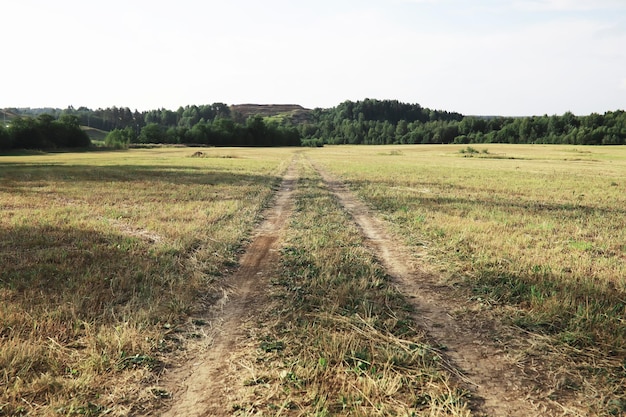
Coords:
pixel 120 138
pixel 5 139
pixel 66 132
pixel 224 131
pixel 26 134
pixel 257 132
pixel 402 128
pixel 152 133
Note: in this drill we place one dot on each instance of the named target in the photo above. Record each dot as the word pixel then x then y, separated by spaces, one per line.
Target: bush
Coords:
pixel 469 150
pixel 313 143
pixel 119 139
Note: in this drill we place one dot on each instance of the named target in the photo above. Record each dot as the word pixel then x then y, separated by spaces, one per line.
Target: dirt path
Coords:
pixel 488 366
pixel 481 353
pixel 205 385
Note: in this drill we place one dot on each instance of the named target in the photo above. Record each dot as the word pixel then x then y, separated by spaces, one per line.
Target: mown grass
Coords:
pixel 539 228
pixel 340 340
pixel 103 255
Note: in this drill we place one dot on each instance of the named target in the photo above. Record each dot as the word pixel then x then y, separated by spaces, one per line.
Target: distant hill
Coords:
pixel 295 112
pixel 94 134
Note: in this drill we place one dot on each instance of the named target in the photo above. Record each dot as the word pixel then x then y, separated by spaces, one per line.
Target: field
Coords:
pixel 121 269
pixel 97 136
pixel 538 227
pixel 102 254
pixel 534 234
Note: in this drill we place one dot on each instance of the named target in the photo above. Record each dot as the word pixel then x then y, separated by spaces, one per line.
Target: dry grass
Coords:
pixel 339 340
pixel 537 228
pixel 103 255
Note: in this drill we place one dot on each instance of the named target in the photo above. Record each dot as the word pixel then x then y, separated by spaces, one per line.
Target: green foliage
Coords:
pixel 5 139
pixel 217 131
pixel 468 150
pixel 152 133
pixel 367 122
pixel 385 122
pixel 44 132
pixel 120 138
pixel 313 143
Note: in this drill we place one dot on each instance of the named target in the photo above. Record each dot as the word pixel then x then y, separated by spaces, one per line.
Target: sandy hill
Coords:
pixel 293 111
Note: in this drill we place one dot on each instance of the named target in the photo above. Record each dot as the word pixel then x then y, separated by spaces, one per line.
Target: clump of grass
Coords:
pixel 469 150
pixel 342 341
pixel 393 152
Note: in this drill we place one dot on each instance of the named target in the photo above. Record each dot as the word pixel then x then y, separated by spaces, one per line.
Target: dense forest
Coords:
pixel 387 122
pixel 43 132
pixel 210 125
pixel 362 122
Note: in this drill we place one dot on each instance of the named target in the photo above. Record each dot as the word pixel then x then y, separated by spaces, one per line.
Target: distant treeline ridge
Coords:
pixel 362 122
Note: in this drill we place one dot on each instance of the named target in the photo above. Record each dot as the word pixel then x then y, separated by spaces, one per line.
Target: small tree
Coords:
pixel 152 133
pixel 67 132
pixel 257 131
pixel 119 138
pixel 25 133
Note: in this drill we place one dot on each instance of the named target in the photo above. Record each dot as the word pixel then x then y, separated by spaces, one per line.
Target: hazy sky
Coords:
pixel 505 57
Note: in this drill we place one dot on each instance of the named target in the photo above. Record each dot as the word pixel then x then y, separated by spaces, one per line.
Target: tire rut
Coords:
pixel 206 385
pixel 499 383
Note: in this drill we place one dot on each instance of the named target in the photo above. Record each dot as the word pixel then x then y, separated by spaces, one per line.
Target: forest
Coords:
pixel 43 132
pixel 368 121
pixel 392 122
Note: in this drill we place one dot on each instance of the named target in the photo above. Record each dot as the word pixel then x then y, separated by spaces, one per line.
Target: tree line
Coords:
pixel 256 131
pixel 43 132
pixel 368 121
pixel 391 122
pixel 210 125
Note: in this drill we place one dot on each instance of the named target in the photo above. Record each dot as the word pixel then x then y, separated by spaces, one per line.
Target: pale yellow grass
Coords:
pixel 103 255
pixel 339 340
pixel 536 231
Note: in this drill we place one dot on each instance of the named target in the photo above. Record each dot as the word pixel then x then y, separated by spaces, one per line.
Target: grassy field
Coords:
pixel 102 255
pixel 97 136
pixel 339 340
pixel 541 229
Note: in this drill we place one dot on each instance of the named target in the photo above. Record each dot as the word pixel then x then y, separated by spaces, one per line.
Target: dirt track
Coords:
pixel 500 383
pixel 204 386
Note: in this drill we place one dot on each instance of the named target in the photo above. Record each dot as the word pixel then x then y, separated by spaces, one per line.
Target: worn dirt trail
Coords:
pixel 486 366
pixel 477 351
pixel 206 385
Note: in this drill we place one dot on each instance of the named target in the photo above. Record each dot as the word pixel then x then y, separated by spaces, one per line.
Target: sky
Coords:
pixel 479 57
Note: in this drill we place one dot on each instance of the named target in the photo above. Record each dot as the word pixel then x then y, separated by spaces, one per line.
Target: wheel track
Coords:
pixel 501 386
pixel 206 385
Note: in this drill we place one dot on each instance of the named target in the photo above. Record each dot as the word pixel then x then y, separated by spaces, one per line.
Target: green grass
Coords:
pixel 96 135
pixel 103 254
